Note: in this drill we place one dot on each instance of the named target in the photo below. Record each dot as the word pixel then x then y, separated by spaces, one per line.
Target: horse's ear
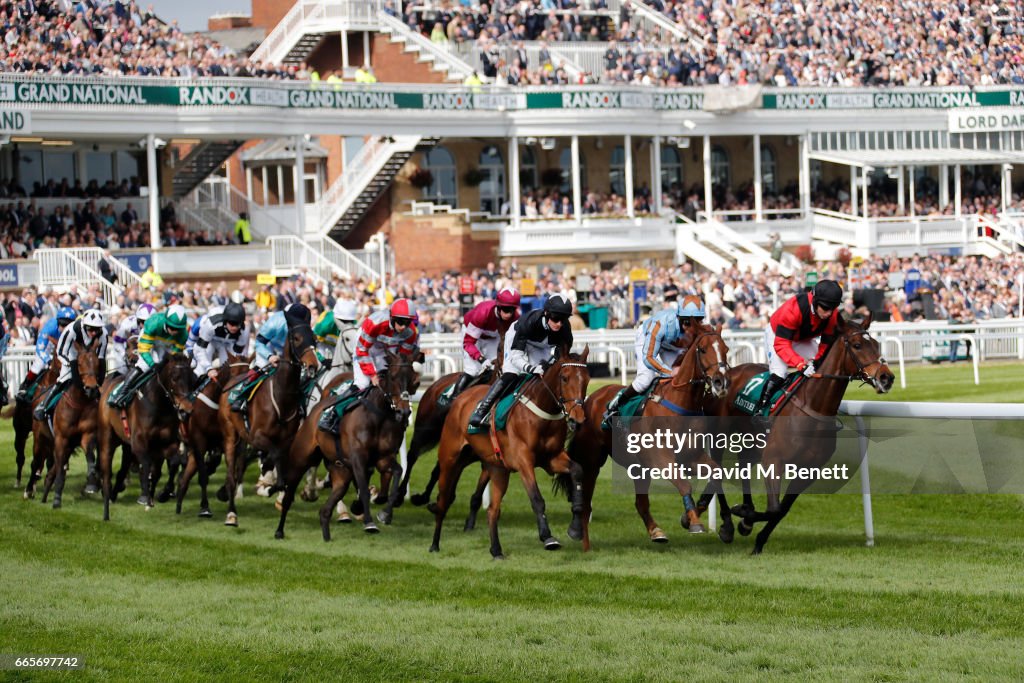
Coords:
pixel 840 322
pixel 867 320
pixel 718 329
pixel 586 352
pixel 421 357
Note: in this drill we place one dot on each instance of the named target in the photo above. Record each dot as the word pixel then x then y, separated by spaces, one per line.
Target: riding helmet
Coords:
pixel 828 294
pixel 507 297
pixel 144 311
pixel 690 307
pixel 234 314
pixel 66 313
pixel 296 315
pixel 557 307
pixel 92 318
pixel 346 310
pixel 176 318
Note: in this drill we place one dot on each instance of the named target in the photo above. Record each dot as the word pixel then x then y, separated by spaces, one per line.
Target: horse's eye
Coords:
pixel 857 345
pixel 564 379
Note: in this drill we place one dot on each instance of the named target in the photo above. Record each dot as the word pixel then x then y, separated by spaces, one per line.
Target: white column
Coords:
pixel 805 174
pixel 957 195
pixel 514 191
pixel 266 190
pixel 300 184
pixel 154 199
pixel 366 48
pixel 707 177
pixel 656 174
pixel 1005 181
pixel 280 184
pixel 248 183
pixel 628 145
pixel 865 178
pixel 901 190
pixel 913 193
pixel 758 181
pixel 943 186
pixel 854 195
pixel 344 50
pixel 577 198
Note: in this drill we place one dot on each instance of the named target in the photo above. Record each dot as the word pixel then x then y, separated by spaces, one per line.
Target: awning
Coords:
pixel 282 149
pixel 881 158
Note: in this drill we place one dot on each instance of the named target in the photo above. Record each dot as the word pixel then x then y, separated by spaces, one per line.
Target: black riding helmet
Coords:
pixel 557 307
pixel 828 294
pixel 234 313
pixel 296 315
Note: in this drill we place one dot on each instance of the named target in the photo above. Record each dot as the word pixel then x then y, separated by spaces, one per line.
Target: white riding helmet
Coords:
pixel 345 309
pixel 92 318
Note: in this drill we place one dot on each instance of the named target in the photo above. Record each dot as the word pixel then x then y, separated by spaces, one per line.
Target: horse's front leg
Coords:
pixel 358 460
pixel 529 479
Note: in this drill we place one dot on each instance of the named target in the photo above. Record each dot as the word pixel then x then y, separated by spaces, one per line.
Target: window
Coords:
pixel 565 162
pixel 99 166
pixel 719 167
pixel 127 166
pixel 671 169
pixel 617 170
pixel 527 169
pixel 30 169
pixel 443 188
pixel 59 165
pixel 492 189
pixel 768 179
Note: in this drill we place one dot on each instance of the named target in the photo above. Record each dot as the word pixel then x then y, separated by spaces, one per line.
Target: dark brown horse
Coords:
pixel 148 430
pixel 808 442
pixel 534 437
pixel 698 374
pixel 274 413
pixel 21 412
pixel 371 432
pixel 74 424
pixel 204 434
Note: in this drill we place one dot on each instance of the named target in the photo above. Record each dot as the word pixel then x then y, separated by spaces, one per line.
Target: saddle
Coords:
pixel 250 388
pixel 631 408
pixel 348 402
pixel 746 399
pixel 502 408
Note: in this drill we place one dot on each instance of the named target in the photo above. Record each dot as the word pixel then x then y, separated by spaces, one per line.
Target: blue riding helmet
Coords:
pixel 66 313
pixel 689 309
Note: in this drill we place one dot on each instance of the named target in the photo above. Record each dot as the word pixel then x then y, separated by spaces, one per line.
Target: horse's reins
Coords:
pixel 559 400
pixel 290 361
pixel 861 373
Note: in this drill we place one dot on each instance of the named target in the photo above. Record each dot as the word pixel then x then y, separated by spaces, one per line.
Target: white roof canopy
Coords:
pixel 880 158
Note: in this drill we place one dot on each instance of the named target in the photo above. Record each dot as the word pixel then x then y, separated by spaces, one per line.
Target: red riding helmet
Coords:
pixel 507 297
pixel 403 309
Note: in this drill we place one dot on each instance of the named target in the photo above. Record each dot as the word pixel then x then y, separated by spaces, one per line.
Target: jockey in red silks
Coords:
pixel 791 339
pixel 482 328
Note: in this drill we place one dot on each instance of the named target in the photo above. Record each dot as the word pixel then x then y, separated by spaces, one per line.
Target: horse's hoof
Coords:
pixel 344 518
pixel 552 543
pixel 278 506
pixel 727 533
pixel 28 495
pixel 222 494
pixel 239 491
pixel 380 500
pixel 419 499
pixel 231 520
pixel 744 528
pixel 279 534
pixel 263 491
pixel 370 528
pixel 205 513
pixel 684 522
pixel 383 517
pixel 398 503
pixel 432 508
pixel 91 489
pixel 308 495
pixel 469 525
pixel 757 550
pixel 658 536
pixel 742 510
pixel 696 528
pixel 435 549
pixel 142 500
pixel 575 532
pixel 56 504
pixel 165 496
pixel 373 491
pixel 499 556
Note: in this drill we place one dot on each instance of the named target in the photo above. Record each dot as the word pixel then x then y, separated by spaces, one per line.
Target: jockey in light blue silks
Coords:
pixel 659 342
pixel 270 343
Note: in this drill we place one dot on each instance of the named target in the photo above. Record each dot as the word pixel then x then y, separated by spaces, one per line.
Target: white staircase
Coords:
pixel 690 246
pixel 321 257
pixel 747 253
pixel 442 60
pixel 63 269
pixel 288 42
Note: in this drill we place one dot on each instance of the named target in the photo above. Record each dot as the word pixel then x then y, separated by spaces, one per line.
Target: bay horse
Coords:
pixel 74 424
pixel 274 412
pixel 371 432
pixel 698 375
pixel 811 441
pixel 21 414
pixel 535 436
pixel 148 430
pixel 204 434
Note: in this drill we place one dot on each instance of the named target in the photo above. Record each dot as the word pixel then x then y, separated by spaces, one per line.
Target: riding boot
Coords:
pixel 44 410
pixel 329 418
pixel 621 398
pixel 121 397
pixel 461 384
pixel 23 389
pixel 497 390
pixel 771 385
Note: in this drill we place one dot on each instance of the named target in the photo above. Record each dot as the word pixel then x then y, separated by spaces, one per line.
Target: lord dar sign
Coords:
pixel 986 120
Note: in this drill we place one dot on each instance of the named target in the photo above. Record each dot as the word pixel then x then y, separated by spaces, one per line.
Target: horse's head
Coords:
pixel 176 379
pixel 709 354
pixel 401 381
pixel 567 380
pixel 87 368
pixel 301 347
pixel 861 355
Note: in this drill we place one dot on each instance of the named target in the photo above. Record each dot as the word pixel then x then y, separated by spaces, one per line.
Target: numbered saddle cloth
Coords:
pixel 747 399
pixel 249 388
pixel 504 407
pixel 348 403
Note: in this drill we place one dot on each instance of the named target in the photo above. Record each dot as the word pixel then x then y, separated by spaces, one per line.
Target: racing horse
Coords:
pixel 21 414
pixel 273 414
pixel 369 433
pixel 700 373
pixel 149 429
pixel 534 436
pixel 204 434
pixel 810 440
pixel 74 424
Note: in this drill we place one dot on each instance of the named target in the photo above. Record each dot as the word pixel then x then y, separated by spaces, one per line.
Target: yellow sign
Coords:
pixel 639 275
pixel 266 279
pixel 527 286
pixel 856 260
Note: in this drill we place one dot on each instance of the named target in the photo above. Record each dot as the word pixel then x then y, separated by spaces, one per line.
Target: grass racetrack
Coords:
pixel 155 595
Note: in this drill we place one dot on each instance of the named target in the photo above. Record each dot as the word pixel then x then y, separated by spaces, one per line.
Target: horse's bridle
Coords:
pixel 400 414
pixel 560 400
pixel 182 412
pixel 861 373
pixel 705 376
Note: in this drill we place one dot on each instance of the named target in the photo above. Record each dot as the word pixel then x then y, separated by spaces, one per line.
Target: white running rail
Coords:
pixel 62 269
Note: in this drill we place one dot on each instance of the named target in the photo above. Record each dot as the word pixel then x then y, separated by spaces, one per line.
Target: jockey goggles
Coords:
pixel 400 322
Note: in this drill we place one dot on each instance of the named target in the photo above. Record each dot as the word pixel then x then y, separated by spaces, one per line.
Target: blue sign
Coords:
pixel 639 296
pixel 9 275
pixel 137 262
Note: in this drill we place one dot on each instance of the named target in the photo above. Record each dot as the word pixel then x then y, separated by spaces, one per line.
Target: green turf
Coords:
pixel 154 595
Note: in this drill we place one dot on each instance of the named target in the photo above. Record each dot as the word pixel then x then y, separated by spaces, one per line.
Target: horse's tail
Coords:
pixel 562 484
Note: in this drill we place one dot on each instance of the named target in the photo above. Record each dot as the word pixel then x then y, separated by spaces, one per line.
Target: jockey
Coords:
pixel 163 334
pixel 89 331
pixel 5 338
pixel 482 328
pixel 790 340
pixel 47 341
pixel 392 330
pixel 328 325
pixel 659 342
pixel 529 345
pixel 130 326
pixel 221 332
pixel 270 343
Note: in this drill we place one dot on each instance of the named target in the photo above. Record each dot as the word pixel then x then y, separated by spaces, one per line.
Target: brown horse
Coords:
pixel 74 424
pixel 371 432
pixel 808 442
pixel 148 430
pixel 204 434
pixel 274 412
pixel 21 412
pixel 534 437
pixel 699 374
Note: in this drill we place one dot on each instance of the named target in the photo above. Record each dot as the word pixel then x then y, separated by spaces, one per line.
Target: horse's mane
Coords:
pixel 703 328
